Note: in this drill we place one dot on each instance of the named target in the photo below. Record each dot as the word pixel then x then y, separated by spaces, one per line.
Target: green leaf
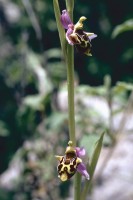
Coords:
pixel 125 86
pixel 53 53
pixel 122 87
pixel 33 62
pixel 92 166
pixel 126 26
pixel 88 142
pixel 36 102
pixel 95 155
pixel 89 90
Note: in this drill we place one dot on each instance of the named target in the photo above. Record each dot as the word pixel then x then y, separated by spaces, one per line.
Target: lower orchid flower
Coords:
pixel 75 34
pixel 71 163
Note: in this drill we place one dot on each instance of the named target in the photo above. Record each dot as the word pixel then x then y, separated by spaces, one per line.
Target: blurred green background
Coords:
pixel 33 118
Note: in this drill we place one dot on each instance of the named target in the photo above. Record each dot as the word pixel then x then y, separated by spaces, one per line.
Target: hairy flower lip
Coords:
pixel 71 162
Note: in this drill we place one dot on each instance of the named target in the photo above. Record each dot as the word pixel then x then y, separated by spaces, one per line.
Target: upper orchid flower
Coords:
pixel 71 162
pixel 75 34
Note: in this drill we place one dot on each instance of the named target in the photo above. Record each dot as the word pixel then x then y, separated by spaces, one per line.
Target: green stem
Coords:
pixel 77 186
pixel 68 52
pixel 69 59
pixel 70 82
pixel 70 79
pixel 70 7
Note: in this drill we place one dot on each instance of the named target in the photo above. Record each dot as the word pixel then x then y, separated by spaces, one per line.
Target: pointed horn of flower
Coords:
pixel 59 157
pixel 81 19
pixel 88 53
pixel 65 19
pixel 91 37
pixel 89 34
pixel 79 24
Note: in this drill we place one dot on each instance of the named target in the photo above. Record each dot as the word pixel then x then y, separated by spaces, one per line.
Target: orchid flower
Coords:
pixel 75 34
pixel 71 163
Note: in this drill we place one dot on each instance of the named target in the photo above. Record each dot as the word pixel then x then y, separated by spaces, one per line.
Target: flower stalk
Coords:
pixel 70 80
pixel 70 85
pixel 71 110
pixel 77 186
pixel 68 53
pixel 70 7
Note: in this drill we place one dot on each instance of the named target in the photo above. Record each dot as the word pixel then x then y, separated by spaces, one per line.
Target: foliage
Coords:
pixel 126 26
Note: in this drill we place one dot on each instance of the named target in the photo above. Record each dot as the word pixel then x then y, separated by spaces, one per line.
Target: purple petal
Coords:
pixel 82 170
pixel 68 33
pixel 65 19
pixel 92 37
pixel 80 152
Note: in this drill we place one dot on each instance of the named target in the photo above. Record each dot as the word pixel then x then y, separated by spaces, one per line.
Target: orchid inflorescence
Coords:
pixel 71 163
pixel 75 34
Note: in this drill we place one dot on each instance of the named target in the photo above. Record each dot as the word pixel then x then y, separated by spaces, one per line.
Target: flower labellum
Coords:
pixel 71 162
pixel 75 34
